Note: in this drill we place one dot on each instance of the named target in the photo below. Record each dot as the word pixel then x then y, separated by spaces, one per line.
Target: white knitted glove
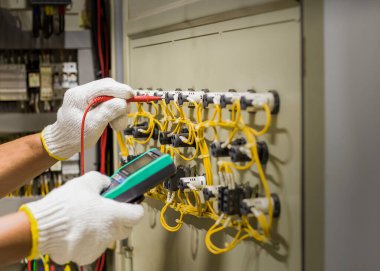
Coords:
pixel 74 223
pixel 62 139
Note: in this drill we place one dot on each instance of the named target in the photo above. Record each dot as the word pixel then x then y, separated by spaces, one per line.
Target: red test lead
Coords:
pixel 101 99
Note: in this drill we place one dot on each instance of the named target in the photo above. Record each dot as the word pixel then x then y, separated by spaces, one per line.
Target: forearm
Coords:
pixel 21 160
pixel 15 238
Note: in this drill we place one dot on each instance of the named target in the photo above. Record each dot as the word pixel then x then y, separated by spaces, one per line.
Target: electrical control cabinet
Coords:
pixel 257 53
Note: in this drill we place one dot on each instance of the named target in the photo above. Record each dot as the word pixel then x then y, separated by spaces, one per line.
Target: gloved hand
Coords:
pixel 74 223
pixel 62 139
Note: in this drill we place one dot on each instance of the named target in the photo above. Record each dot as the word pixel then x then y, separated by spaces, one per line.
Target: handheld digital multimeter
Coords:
pixel 131 181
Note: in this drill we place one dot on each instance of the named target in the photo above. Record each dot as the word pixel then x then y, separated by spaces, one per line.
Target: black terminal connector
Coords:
pixel 245 102
pixel 225 100
pixel 207 100
pixel 218 151
pixel 165 138
pixel 138 134
pixel 172 184
pixel 170 97
pixel 129 129
pixel 276 102
pixel 239 141
pixel 182 98
pixel 237 155
pixel 276 205
pixel 229 199
pixel 263 151
pixel 177 142
pixel 210 192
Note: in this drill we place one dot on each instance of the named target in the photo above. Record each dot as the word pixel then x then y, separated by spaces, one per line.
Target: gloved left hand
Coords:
pixel 61 140
pixel 74 223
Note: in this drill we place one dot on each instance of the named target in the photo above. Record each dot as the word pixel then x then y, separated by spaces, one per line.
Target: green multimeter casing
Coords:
pixel 132 180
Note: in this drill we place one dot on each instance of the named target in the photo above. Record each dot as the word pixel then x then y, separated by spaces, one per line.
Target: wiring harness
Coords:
pixel 179 123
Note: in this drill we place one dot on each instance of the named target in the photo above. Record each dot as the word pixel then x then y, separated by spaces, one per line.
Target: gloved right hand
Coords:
pixel 61 139
pixel 74 223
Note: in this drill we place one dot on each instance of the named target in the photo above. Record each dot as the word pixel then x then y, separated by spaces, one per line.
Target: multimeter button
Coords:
pixel 117 178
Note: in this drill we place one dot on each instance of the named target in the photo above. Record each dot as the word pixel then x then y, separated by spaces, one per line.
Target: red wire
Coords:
pixel 100 53
pixel 107 50
pixel 102 261
pixel 29 265
pixel 103 146
pixel 95 101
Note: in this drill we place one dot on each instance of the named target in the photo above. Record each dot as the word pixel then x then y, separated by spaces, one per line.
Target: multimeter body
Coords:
pixel 131 181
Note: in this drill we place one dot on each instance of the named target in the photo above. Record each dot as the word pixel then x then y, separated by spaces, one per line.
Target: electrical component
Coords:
pixel 172 183
pixel 201 196
pixel 218 150
pixel 138 132
pixel 69 75
pixel 178 140
pixel 252 101
pixel 129 130
pixel 172 95
pixel 190 96
pixel 46 82
pixel 261 204
pixel 13 82
pixel 192 183
pixel 165 138
pixel 229 199
pixel 255 101
pixel 211 192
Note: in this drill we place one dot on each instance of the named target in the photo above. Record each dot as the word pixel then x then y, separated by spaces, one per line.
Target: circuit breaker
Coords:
pixel 230 116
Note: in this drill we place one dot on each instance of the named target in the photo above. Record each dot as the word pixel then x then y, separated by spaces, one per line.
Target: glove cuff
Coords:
pixel 55 143
pixel 34 253
pixel 51 223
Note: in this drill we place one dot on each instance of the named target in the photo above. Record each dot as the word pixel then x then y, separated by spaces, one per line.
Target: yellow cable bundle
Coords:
pixel 174 121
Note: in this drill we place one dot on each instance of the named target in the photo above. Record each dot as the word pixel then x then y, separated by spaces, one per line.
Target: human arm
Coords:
pixel 21 160
pixel 72 223
pixel 15 237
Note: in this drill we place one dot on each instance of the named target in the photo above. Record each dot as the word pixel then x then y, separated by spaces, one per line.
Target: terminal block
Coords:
pixel 165 138
pixel 229 199
pixel 217 149
pixel 261 204
pixel 172 95
pixel 137 133
pixel 254 101
pixel 190 96
pixel 211 192
pixel 177 141
pixel 129 129
pixel 238 153
pixel 193 183
pixel 172 184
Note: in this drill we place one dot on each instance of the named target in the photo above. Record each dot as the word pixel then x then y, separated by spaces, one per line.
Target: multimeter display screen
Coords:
pixel 138 163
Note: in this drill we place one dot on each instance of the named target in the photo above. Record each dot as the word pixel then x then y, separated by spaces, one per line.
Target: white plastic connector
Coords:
pixel 261 204
pixel 257 100
pixel 192 96
pixel 194 183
